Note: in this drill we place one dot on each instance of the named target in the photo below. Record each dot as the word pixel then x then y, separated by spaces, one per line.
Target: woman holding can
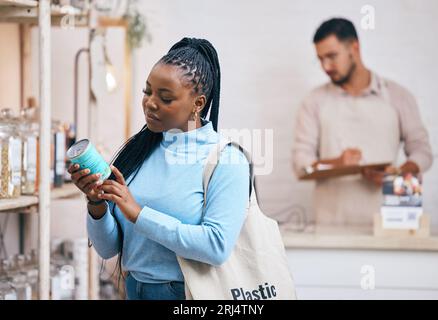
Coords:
pixel 150 210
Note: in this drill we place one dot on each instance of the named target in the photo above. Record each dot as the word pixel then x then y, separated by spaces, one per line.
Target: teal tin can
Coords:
pixel 86 156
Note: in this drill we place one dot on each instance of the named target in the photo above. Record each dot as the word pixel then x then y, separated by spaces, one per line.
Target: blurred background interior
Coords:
pixel 99 57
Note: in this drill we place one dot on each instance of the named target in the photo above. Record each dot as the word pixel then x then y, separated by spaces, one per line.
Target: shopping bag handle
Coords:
pixel 212 161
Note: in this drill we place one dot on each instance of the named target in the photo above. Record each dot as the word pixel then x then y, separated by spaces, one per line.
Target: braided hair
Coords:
pixel 198 60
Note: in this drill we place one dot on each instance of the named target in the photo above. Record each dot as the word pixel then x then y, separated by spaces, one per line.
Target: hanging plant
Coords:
pixel 137 28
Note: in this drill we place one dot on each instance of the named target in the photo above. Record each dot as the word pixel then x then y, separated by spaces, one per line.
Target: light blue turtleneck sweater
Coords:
pixel 169 189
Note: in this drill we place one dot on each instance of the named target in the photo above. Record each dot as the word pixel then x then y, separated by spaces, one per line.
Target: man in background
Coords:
pixel 356 118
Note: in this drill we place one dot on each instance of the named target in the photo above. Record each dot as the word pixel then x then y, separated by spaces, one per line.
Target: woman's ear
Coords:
pixel 200 102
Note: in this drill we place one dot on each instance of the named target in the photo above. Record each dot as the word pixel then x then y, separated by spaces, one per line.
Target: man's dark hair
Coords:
pixel 342 28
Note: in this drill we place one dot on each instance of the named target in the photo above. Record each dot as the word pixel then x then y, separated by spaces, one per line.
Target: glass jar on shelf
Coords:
pixel 22 287
pixel 11 148
pixel 4 267
pixel 7 291
pixel 31 270
pixel 29 129
pixel 63 276
pixel 18 278
pixel 55 283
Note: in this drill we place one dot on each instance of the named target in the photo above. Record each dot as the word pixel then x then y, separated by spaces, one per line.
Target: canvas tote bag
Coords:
pixel 257 267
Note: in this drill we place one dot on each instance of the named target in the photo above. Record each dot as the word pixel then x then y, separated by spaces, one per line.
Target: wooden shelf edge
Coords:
pixel 106 22
pixel 12 205
pixel 17 203
pixel 29 15
pixel 19 3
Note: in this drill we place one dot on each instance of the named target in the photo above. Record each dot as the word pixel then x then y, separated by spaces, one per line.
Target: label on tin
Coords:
pixel 30 160
pixel 15 160
pixel 60 153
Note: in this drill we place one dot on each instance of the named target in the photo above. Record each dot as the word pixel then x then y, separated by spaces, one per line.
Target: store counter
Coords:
pixel 351 263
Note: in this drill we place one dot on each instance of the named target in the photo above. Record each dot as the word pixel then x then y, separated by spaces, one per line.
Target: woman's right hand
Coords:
pixel 85 181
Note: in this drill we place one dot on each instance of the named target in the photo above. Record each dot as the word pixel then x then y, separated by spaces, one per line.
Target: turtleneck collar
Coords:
pixel 177 139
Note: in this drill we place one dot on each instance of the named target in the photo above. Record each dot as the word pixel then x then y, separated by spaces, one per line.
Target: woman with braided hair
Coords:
pixel 151 210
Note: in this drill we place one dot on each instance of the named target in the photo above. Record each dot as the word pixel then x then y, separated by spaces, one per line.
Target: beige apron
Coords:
pixel 370 124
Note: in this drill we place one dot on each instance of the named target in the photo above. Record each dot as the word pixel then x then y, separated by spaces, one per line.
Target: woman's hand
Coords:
pixel 85 181
pixel 118 192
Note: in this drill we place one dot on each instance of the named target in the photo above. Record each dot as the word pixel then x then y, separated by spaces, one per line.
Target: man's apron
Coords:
pixel 370 124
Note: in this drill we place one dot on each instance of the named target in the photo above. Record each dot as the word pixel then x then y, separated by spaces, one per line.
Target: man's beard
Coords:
pixel 347 77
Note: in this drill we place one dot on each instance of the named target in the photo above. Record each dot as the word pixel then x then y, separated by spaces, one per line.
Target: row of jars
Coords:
pixel 19 147
pixel 19 277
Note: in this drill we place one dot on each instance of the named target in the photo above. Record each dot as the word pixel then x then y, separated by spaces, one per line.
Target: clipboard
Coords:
pixel 327 171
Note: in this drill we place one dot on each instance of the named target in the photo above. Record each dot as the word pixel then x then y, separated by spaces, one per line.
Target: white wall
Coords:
pixel 9 66
pixel 9 98
pixel 269 64
pixel 65 45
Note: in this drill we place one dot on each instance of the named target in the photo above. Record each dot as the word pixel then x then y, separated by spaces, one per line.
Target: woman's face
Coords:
pixel 169 101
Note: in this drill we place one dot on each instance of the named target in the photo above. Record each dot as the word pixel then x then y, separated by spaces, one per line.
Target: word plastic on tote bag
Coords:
pixel 257 268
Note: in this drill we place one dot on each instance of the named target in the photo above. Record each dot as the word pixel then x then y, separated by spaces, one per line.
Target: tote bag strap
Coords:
pixel 212 161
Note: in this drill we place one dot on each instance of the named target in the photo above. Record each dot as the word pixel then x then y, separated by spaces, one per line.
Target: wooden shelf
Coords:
pixel 106 22
pixel 19 3
pixel 18 203
pixel 67 191
pixel 60 11
pixel 26 11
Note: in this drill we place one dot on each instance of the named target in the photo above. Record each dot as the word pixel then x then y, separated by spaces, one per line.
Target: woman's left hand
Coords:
pixel 118 192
